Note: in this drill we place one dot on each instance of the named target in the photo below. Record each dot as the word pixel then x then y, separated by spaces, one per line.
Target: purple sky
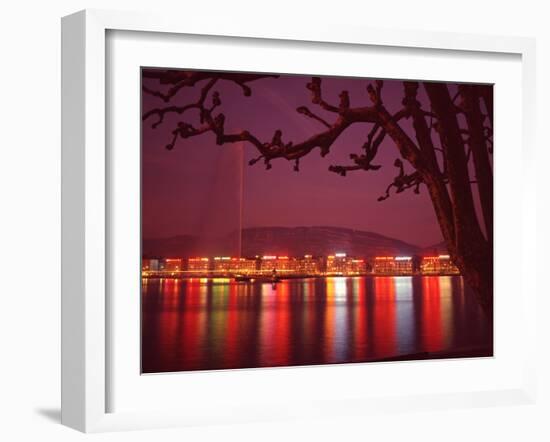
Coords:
pixel 196 188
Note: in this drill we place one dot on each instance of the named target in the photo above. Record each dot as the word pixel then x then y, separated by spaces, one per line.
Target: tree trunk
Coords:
pixel 470 250
pixel 479 276
pixel 480 155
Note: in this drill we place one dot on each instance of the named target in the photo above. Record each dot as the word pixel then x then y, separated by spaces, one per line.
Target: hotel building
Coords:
pixel 341 264
pixel 150 265
pixel 355 266
pixel 308 265
pixel 198 265
pixel 226 264
pixel 171 265
pixel 281 264
pixel 393 265
pixel 437 265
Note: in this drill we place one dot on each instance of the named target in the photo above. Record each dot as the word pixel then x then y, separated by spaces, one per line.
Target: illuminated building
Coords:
pixel 308 265
pixel 393 265
pixel 222 264
pixel 150 265
pixel 436 265
pixel 199 265
pixel 341 264
pixel 171 265
pixel 336 264
pixel 355 267
pixel 281 264
pixel 243 265
pixel 226 264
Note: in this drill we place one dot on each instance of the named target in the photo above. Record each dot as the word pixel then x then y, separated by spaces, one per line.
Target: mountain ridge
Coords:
pixel 279 240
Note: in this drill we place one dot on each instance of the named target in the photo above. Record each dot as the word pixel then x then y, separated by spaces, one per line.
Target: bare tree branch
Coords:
pixel 403 181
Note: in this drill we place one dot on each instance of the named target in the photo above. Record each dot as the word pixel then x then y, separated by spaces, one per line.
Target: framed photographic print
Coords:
pixel 250 213
pixel 246 268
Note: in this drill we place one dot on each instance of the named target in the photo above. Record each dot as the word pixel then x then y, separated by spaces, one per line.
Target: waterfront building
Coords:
pixel 226 264
pixel 393 265
pixel 355 266
pixel 281 264
pixel 198 265
pixel 222 264
pixel 243 265
pixel 150 265
pixel 436 265
pixel 334 266
pixel 338 264
pixel 308 265
pixel 173 265
pixel 341 264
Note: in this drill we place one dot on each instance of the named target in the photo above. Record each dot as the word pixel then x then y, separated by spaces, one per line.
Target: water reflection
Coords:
pixel 199 324
pixel 404 312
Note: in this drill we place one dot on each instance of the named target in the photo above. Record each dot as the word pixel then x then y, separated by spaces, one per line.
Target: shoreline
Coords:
pixel 458 353
pixel 267 278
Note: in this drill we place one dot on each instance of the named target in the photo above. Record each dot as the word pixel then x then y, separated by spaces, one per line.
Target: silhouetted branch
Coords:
pixel 178 80
pixel 305 111
pixel 403 181
pixel 275 148
pixel 317 97
pixel 364 162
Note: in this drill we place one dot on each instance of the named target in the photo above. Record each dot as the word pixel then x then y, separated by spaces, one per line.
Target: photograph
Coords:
pixel 265 221
pixel 302 220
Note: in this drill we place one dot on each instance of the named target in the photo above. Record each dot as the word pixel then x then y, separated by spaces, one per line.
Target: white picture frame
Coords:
pixel 85 210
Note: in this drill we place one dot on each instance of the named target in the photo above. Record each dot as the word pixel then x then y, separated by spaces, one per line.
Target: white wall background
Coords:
pixel 30 216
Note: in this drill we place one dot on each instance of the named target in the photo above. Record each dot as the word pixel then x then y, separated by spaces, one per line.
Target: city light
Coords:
pixel 338 264
pixel 438 265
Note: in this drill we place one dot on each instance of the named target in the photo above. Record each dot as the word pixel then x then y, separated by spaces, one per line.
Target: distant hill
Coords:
pixel 292 241
pixel 436 249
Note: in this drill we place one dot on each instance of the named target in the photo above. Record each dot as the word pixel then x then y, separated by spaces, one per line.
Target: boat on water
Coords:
pixel 243 278
pixel 263 279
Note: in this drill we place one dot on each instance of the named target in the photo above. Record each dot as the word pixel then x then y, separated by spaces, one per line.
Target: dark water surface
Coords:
pixel 203 324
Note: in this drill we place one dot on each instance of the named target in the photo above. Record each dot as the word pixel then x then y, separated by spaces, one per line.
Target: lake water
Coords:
pixel 200 324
